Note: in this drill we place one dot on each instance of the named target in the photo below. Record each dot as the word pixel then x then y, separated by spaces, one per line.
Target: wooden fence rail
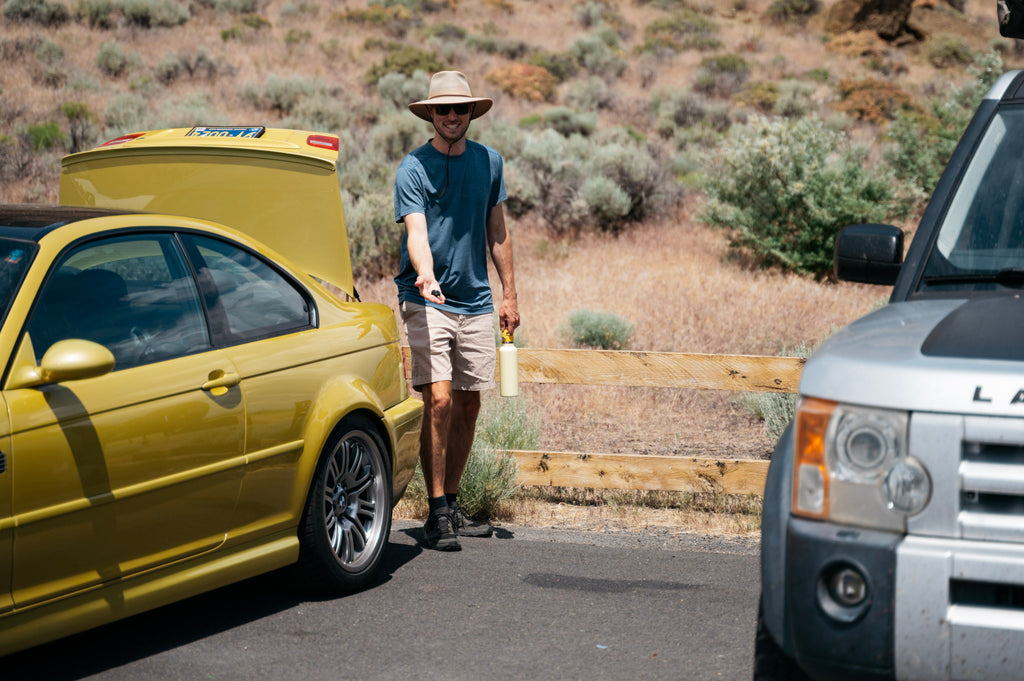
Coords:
pixel 743 373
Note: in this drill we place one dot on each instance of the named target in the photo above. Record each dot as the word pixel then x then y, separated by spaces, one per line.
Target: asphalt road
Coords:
pixel 526 604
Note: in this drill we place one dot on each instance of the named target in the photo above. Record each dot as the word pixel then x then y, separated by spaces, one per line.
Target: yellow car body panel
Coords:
pixel 149 483
pixel 278 188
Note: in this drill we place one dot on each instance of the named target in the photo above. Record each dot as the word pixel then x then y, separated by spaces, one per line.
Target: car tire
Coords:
pixel 770 662
pixel 347 519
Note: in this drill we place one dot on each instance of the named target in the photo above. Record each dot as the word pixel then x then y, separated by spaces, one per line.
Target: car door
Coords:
pixel 264 320
pixel 136 468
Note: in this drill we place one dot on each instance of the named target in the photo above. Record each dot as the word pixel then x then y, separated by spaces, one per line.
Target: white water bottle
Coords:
pixel 508 363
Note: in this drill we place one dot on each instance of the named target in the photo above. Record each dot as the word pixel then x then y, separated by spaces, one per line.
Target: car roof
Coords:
pixel 32 221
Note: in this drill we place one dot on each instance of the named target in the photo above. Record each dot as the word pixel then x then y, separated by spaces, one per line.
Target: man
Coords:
pixel 448 193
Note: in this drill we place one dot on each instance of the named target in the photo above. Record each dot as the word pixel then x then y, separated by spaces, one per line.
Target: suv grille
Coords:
pixel 991 476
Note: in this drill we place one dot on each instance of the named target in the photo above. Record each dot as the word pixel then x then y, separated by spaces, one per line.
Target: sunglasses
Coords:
pixel 459 109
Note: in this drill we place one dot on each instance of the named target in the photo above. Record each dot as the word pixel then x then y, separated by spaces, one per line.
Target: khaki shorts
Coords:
pixel 450 347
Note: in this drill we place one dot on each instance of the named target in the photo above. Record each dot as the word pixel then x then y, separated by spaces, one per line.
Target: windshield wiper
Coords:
pixel 1011 277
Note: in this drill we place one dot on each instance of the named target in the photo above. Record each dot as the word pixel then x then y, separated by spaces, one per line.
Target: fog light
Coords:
pixel 907 486
pixel 847 587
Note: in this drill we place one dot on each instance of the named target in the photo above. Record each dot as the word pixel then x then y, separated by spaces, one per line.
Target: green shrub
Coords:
pixel 795 99
pixel 235 6
pixel 507 423
pixel 168 69
pixel 677 109
pixel 174 65
pixel 255 22
pixel 154 13
pixel 722 76
pixel 599 53
pixel 46 135
pixel 510 49
pixel 40 12
pixel 490 478
pixel 783 11
pixel 784 188
pixel 283 93
pixel 595 329
pixel 296 36
pixel 547 174
pixel 776 409
pixel 395 135
pixel 501 134
pixel 413 6
pixel 568 122
pixel 321 111
pixel 126 112
pixel 759 94
pixel 561 66
pixel 406 60
pixel 81 126
pixel 590 94
pixel 400 89
pixel 97 13
pixel 685 30
pixel 945 51
pixel 111 59
pixel 639 171
pixel 373 235
pixel 602 13
pixel 193 108
pixel 606 201
pixel 444 31
pixel 48 52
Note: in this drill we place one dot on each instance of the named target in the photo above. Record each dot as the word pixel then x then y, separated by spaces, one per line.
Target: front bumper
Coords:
pixel 831 641
pixel 935 610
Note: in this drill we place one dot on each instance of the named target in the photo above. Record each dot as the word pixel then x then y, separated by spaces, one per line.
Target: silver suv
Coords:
pixel 893 531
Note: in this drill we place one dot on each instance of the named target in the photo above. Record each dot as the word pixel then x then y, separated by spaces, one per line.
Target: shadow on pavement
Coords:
pixel 175 625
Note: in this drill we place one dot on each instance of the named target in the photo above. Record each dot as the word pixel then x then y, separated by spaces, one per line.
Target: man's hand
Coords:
pixel 508 314
pixel 430 289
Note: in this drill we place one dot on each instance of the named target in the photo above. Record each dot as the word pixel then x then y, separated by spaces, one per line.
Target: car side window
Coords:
pixel 245 297
pixel 133 294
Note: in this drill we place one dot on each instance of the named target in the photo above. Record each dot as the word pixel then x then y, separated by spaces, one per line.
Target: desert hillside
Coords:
pixel 79 72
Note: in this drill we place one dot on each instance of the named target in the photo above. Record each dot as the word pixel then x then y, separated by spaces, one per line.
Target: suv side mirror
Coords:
pixel 1010 14
pixel 869 254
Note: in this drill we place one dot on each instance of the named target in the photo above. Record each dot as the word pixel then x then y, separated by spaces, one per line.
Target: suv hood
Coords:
pixel 954 356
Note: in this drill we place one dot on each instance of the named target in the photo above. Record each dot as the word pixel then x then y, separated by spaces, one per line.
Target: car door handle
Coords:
pixel 220 381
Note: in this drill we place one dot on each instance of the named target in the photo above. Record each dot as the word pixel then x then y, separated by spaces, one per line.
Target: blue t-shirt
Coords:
pixel 472 185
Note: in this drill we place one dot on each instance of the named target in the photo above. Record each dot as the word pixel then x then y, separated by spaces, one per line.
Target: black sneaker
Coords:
pixel 466 526
pixel 440 533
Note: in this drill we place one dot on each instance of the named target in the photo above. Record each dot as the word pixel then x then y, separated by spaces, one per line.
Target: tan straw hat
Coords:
pixel 450 87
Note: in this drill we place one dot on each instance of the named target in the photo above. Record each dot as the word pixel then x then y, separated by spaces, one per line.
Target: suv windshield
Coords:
pixel 15 257
pixel 980 245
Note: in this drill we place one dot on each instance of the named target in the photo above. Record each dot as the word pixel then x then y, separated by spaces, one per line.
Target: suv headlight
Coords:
pixel 852 466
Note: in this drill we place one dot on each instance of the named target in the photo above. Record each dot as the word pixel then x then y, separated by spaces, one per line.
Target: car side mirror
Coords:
pixel 869 254
pixel 71 359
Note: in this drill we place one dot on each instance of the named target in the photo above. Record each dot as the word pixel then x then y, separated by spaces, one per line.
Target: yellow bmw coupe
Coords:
pixel 183 405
